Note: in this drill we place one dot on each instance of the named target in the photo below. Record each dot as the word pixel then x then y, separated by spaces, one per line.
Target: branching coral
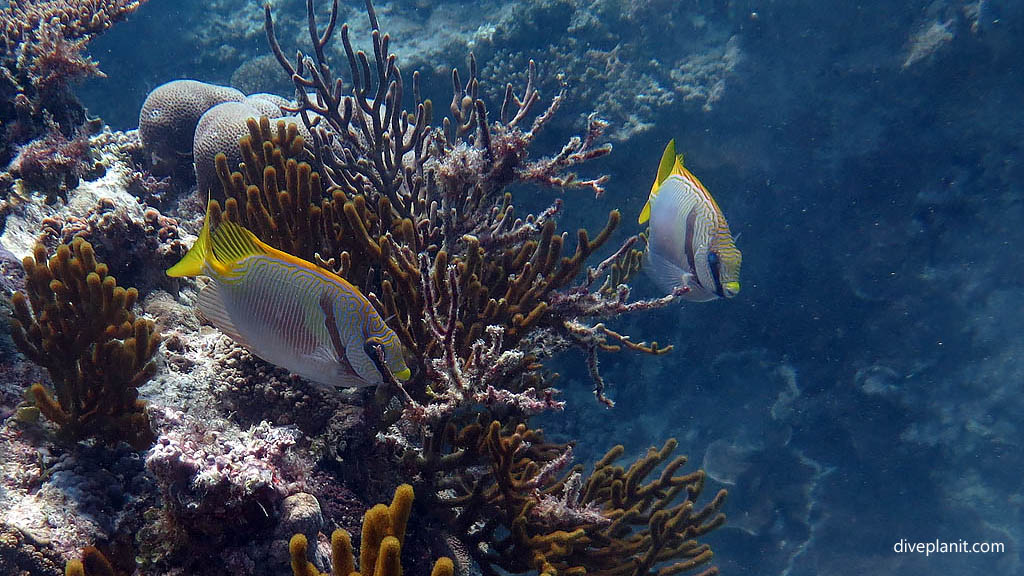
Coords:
pixel 380 545
pixel 420 218
pixel 274 192
pixel 412 211
pixel 77 322
pixel 532 512
pixel 42 43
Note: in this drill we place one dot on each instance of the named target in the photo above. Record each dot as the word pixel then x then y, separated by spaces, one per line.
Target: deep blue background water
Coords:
pixel 866 385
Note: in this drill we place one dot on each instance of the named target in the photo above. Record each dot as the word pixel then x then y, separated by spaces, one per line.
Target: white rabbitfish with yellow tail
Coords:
pixel 689 244
pixel 288 311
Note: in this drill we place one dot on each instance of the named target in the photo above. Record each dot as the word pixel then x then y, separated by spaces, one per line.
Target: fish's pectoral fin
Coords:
pixel 667 275
pixel 323 354
pixel 211 306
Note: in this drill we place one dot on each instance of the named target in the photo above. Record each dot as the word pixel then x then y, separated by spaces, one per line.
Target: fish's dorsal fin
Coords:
pixel 665 168
pixel 230 243
pixel 677 166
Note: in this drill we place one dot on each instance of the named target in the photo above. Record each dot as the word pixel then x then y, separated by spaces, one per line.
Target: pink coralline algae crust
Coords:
pixel 218 482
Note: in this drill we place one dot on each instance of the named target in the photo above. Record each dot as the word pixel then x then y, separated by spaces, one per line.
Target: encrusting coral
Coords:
pixel 380 546
pixel 75 320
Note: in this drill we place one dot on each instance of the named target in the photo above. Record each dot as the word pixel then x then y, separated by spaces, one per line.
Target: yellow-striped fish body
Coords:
pixel 288 311
pixel 689 243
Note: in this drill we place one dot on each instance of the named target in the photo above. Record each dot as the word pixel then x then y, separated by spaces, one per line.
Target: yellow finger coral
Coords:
pixel 381 547
pixel 93 563
pixel 74 320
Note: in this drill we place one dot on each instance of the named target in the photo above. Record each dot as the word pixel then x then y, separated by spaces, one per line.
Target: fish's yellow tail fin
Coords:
pixel 192 263
pixel 665 169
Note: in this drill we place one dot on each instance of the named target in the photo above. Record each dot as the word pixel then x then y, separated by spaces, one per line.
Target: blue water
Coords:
pixel 867 385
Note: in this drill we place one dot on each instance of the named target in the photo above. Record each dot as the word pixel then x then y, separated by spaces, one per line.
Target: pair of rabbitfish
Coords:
pixel 313 323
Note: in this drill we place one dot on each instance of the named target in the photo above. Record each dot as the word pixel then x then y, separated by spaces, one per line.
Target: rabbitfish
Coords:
pixel 288 311
pixel 689 244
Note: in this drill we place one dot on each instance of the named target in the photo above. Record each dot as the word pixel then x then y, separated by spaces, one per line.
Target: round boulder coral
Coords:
pixel 268 105
pixel 171 112
pixel 221 128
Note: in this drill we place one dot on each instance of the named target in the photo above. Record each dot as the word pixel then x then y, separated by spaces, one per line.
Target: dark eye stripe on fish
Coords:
pixel 716 274
pixel 691 229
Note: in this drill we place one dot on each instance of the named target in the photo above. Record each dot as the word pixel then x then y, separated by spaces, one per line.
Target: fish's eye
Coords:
pixel 713 259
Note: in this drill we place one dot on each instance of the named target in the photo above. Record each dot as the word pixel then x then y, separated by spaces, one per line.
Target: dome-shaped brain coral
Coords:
pixel 268 105
pixel 172 110
pixel 221 128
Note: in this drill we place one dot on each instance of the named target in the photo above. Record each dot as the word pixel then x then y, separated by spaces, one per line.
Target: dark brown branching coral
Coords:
pixel 534 512
pixel 411 211
pixel 420 218
pixel 77 322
